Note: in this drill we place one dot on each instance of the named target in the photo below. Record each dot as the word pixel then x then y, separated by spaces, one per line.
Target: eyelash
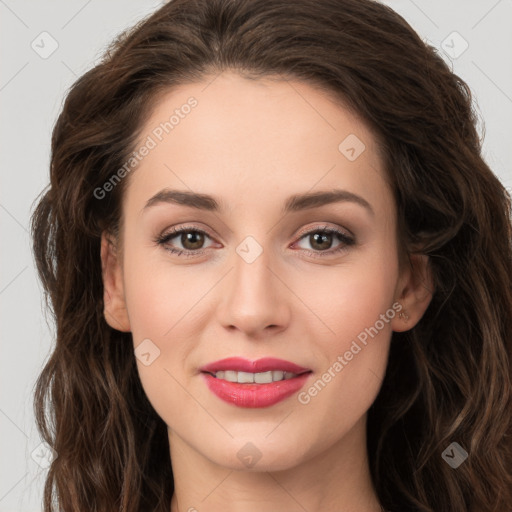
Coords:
pixel 346 240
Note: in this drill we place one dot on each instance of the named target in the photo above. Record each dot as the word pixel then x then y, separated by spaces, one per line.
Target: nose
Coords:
pixel 255 300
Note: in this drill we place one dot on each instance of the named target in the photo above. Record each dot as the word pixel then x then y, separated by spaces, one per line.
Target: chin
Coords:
pixel 258 455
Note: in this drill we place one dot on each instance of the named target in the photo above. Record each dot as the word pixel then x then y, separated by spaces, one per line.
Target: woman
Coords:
pixel 280 271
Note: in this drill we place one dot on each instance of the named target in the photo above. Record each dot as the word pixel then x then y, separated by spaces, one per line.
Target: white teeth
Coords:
pixel 230 376
pixel 244 377
pixel 263 377
pixel 277 375
pixel 258 378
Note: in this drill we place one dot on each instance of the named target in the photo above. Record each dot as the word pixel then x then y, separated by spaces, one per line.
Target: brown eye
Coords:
pixel 192 240
pixel 320 240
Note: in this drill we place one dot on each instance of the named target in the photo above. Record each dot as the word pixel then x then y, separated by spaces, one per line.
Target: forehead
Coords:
pixel 230 134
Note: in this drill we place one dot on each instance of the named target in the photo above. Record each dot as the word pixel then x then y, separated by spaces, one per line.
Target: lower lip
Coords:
pixel 254 395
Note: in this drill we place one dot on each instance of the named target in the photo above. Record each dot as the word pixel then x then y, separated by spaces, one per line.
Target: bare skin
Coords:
pixel 251 145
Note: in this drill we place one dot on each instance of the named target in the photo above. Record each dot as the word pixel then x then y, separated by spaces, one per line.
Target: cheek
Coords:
pixel 359 311
pixel 356 293
pixel 160 300
pixel 158 295
pixel 361 320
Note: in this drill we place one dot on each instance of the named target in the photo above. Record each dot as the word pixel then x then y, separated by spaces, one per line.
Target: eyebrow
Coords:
pixel 294 203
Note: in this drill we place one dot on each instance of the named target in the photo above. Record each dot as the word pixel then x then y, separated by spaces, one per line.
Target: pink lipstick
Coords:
pixel 254 384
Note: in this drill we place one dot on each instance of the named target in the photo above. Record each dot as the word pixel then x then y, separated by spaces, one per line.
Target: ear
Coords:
pixel 115 311
pixel 414 292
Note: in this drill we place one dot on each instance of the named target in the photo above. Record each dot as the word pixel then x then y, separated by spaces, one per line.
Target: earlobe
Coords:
pixel 414 293
pixel 115 311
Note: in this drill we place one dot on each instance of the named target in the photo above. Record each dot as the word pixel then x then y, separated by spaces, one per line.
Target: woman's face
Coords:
pixel 257 278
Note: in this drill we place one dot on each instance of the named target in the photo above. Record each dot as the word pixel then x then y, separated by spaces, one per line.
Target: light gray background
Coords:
pixel 32 89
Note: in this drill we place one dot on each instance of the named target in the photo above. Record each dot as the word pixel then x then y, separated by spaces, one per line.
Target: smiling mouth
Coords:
pixel 254 378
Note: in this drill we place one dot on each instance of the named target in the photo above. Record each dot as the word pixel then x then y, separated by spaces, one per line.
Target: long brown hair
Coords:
pixel 448 379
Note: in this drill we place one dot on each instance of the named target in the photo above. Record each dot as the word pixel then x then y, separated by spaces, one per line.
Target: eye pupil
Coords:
pixel 192 237
pixel 324 237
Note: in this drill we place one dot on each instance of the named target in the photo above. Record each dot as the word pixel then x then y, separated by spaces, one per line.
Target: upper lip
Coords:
pixel 260 365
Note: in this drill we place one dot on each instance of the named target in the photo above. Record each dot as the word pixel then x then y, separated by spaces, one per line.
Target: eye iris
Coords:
pixel 192 237
pixel 324 237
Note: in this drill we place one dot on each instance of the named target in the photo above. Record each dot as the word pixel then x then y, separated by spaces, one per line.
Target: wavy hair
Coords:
pixel 448 378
